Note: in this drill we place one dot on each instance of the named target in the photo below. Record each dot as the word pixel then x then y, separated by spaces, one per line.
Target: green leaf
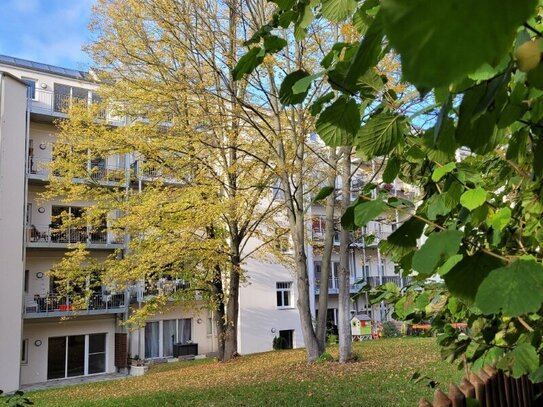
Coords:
pixel 436 250
pixel 338 123
pixel 368 210
pixel 473 198
pixel 273 43
pixel 368 51
pixel 381 134
pixel 475 130
pixel 500 219
pixel 514 290
pixel 391 170
pixel 317 105
pixel 347 219
pixel 449 264
pixel 440 172
pixel 537 375
pixel 286 92
pixel 473 269
pixel 248 62
pixel 524 360
pixel 338 10
pixel 323 193
pixel 302 85
pixel 441 42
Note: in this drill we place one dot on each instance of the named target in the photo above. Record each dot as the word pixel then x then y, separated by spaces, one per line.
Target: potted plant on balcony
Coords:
pixel 137 366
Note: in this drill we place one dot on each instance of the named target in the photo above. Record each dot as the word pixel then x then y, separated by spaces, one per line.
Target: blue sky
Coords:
pixel 47 31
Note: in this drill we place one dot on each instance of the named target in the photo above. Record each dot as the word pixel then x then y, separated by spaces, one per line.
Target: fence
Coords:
pixel 491 388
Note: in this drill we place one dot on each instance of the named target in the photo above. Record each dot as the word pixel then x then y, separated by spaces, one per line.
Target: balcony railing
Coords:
pixel 54 305
pixel 333 285
pixel 399 281
pixel 38 168
pixel 38 234
pixel 357 283
pixel 57 104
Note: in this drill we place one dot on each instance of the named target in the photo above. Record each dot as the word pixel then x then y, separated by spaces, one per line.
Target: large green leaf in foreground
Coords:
pixel 436 250
pixel 442 41
pixel 513 290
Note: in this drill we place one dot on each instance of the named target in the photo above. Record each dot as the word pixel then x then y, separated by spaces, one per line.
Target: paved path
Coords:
pixel 76 380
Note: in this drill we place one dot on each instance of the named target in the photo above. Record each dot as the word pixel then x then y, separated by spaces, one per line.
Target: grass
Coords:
pixel 282 378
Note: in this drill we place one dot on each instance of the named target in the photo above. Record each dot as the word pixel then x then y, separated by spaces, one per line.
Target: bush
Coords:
pixel 325 357
pixel 390 330
pixel 332 340
pixel 279 343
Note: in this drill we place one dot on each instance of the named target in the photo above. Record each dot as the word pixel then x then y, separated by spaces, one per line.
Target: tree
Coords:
pixel 205 196
pixel 169 64
pixel 481 214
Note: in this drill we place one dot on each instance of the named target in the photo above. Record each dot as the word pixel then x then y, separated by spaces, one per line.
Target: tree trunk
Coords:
pixel 218 295
pixel 311 344
pixel 326 263
pixel 344 299
pixel 232 311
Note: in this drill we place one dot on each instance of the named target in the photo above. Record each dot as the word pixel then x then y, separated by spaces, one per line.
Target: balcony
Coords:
pixel 164 286
pixel 54 305
pixel 333 286
pixel 147 173
pixel 357 283
pixel 399 281
pixel 107 175
pixel 44 236
pixel 48 104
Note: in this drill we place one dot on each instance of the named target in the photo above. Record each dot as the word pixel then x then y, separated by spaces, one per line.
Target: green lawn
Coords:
pixel 380 378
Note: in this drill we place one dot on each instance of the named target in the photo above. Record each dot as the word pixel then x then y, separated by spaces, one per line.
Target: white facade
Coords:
pixel 44 344
pixel 13 135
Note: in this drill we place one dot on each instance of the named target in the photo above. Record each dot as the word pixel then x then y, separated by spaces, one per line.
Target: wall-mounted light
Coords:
pixel 41 209
pixel 273 330
pixel 37 342
pixel 43 85
pixel 43 146
pixel 199 321
pixel 39 274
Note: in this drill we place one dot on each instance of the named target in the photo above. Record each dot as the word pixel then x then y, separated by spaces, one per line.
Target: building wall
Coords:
pixel 260 320
pixel 12 197
pixel 35 371
pixel 207 343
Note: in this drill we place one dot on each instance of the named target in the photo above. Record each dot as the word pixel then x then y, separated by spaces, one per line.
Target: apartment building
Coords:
pixel 367 264
pixel 47 339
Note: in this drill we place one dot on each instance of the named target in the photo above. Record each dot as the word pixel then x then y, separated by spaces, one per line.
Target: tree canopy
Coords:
pixel 475 151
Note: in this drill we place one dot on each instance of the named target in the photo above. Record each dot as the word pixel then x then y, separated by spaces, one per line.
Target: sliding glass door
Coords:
pixel 76 355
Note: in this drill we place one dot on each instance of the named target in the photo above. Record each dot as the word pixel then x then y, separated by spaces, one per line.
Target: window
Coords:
pixel 76 355
pixel 27 280
pixel 283 242
pixel 24 351
pixel 210 326
pixel 173 331
pixel 284 290
pixel 31 87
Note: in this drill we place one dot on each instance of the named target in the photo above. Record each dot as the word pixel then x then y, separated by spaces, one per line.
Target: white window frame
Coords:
pixel 284 287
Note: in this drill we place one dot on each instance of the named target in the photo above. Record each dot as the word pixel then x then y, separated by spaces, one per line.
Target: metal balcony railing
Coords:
pixel 57 305
pixel 39 167
pixel 47 234
pixel 333 285
pixel 57 104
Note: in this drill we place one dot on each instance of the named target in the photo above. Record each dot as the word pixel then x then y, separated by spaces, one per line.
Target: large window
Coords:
pixel 160 336
pixel 76 355
pixel 284 294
